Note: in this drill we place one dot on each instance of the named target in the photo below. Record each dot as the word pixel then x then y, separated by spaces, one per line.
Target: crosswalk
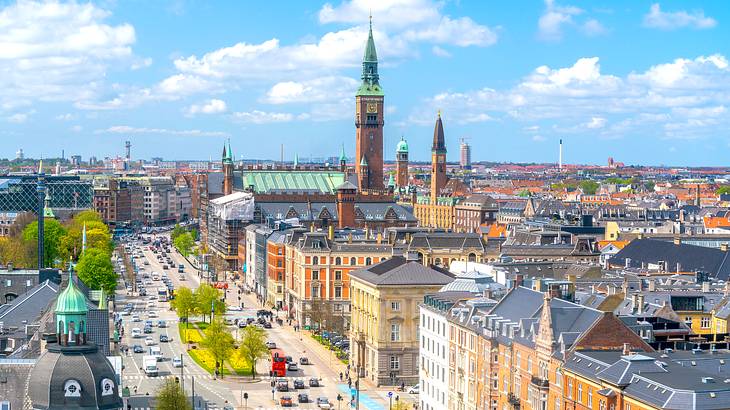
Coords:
pixel 134 377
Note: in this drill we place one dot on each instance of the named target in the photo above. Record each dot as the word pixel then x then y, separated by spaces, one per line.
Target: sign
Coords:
pixel 390 394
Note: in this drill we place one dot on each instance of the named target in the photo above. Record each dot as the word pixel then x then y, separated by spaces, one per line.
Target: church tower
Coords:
pixel 369 120
pixel 438 160
pixel 227 169
pixel 401 164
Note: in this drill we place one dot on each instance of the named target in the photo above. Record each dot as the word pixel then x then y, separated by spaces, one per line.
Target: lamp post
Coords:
pixel 182 381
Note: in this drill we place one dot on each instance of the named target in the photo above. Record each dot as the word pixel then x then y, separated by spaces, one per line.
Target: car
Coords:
pixel 149 341
pixel 138 349
pixel 146 262
pixel 234 308
pixel 303 360
pixel 266 325
pixel 164 339
pixel 177 362
pixel 182 277
pixel 292 367
pixel 282 385
pixel 323 403
pixel 303 398
pixel 285 401
pixel 228 407
pixel 242 324
pixel 271 345
pixel 161 323
pixel 413 390
pixel 165 267
pixel 314 382
pixel 136 332
pixel 152 313
pixel 136 318
pixel 147 329
pixel 298 384
pixel 148 323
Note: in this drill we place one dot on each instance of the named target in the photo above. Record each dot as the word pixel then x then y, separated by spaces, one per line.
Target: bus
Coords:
pixel 278 363
pixel 162 294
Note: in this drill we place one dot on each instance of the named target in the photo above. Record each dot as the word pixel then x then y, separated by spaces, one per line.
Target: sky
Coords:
pixel 645 82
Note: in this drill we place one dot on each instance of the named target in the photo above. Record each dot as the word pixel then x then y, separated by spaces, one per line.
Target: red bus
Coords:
pixel 278 363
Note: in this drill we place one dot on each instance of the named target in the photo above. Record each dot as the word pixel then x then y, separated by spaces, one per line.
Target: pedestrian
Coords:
pixel 349 383
pixel 340 376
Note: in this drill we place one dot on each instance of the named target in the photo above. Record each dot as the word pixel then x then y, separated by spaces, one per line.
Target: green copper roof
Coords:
pixel 343 157
pixel 71 300
pixel 370 77
pixel 402 146
pixel 370 54
pixel 391 181
pixel 48 213
pixel 370 90
pixel 265 181
pixel 363 162
pixel 227 156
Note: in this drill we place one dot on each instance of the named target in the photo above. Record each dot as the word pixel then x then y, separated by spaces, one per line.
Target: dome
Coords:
pixel 77 377
pixel 71 300
pixel 402 146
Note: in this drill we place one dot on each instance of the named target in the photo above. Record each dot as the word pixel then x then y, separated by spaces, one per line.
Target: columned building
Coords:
pixel 369 121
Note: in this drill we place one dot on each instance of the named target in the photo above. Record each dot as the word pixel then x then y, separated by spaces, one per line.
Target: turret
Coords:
pixel 71 313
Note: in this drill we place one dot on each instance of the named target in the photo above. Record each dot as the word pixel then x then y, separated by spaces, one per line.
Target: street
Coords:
pixel 229 390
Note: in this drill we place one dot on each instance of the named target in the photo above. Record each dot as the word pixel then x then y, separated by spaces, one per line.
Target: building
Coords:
pixel 385 320
pixel 226 218
pixel 474 212
pixel 275 269
pixel 256 273
pixel 443 248
pixel 464 155
pixel 401 164
pixel 159 199
pixel 119 202
pixel 369 121
pixel 65 193
pixel 227 169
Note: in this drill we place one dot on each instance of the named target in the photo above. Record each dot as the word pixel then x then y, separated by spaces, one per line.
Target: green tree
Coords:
pixel 589 187
pixel 53 231
pixel 170 396
pixel 96 270
pixel 525 193
pixel 176 231
pixel 218 341
pixel 184 243
pixel 194 232
pixel 184 303
pixel 87 217
pixel 207 298
pixel 253 347
pixel 649 186
pixel 725 189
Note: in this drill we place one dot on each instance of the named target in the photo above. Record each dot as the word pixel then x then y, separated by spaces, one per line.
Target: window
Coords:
pixel 590 397
pixel 315 260
pixel 705 322
pixel 570 388
pixel 395 306
pixel 28 283
pixel 338 261
pixel 580 393
pixel 338 275
pixel 338 292
pixel 278 264
pixel 315 275
pixel 557 403
pixel 688 320
pixel 529 364
pixel 394 363
pixel 315 291
pixel 394 332
pixel 353 261
pixel 337 307
pixel 368 261
pixel 8 282
pixel 558 377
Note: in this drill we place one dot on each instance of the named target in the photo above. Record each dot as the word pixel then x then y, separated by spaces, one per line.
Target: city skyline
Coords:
pixel 644 82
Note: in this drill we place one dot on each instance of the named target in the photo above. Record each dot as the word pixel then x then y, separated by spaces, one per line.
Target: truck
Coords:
pixel 149 364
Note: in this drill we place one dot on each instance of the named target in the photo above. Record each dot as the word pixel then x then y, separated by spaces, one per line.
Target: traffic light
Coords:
pixel 177 380
pixel 245 396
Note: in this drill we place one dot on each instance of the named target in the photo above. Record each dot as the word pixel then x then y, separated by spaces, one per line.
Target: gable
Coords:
pixel 610 333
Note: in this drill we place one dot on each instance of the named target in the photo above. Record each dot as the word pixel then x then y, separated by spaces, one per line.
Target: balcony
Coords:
pixel 540 382
pixel 513 400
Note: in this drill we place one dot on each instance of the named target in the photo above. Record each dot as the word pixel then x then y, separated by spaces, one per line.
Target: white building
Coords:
pixel 434 350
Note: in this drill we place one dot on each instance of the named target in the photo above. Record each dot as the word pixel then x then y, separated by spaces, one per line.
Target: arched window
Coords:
pixel 315 260
pixel 368 261
pixel 338 261
pixel 61 330
pixel 353 261
pixel 437 261
pixel 472 257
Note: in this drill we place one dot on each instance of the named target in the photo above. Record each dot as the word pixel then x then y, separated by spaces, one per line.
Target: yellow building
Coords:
pixel 437 214
pixel 385 318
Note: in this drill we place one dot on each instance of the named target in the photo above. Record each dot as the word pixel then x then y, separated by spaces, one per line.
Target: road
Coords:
pixel 218 393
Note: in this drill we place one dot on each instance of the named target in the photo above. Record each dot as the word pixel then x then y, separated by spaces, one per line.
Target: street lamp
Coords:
pixel 244 397
pixel 339 399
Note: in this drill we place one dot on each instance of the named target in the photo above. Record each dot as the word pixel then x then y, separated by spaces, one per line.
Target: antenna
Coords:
pixel 560 156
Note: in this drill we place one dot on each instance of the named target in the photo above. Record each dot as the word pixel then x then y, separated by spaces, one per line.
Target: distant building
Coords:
pixel 465 155
pixel 473 212
pixel 19 155
pixel 401 164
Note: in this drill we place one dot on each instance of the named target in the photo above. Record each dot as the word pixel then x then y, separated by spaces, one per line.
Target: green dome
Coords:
pixel 71 300
pixel 402 146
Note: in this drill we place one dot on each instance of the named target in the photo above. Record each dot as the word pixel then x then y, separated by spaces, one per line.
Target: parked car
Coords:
pixel 161 323
pixel 164 339
pixel 413 390
pixel 314 382
pixel 285 401
pixel 303 398
pixel 292 367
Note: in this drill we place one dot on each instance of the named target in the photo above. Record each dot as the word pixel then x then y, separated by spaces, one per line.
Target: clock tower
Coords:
pixel 369 121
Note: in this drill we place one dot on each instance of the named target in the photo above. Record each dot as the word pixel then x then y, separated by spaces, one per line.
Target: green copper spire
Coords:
pixel 227 156
pixel 71 300
pixel 402 145
pixel 391 181
pixel 370 77
pixel 343 157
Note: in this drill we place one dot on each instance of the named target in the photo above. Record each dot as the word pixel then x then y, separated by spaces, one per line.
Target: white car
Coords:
pixel 152 314
pixel 177 362
pixel 413 390
pixel 135 318
pixel 136 332
pixel 149 341
pixel 234 308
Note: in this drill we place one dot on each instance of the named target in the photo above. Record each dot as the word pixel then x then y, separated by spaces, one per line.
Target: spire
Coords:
pixel 225 152
pixel 439 145
pixel 230 151
pixel 391 181
pixel 343 157
pixel 370 78
pixel 40 167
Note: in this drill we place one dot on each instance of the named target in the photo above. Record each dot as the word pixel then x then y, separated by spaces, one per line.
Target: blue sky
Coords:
pixel 643 81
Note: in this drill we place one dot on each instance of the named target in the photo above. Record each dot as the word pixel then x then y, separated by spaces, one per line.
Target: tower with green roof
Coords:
pixel 71 313
pixel 227 169
pixel 369 120
pixel 401 163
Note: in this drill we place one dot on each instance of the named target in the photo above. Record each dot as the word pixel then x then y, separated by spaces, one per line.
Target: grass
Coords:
pixel 202 325
pixel 205 360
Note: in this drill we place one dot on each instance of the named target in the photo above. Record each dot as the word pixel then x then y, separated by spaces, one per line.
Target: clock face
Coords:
pixel 372 108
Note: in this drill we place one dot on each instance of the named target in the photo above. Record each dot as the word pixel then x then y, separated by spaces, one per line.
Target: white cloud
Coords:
pixel 315 90
pixel 77 128
pixel 65 117
pixel 17 118
pixel 53 51
pixel 686 98
pixel 594 27
pixel 128 130
pixel 462 32
pixel 656 18
pixel 396 14
pixel 213 106
pixel 141 63
pixel 440 52
pixel 555 18
pixel 539 138
pixel 263 117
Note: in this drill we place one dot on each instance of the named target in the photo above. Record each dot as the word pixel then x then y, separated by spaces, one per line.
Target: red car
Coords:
pixel 286 401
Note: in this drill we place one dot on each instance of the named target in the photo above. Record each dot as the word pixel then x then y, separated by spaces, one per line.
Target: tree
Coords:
pixel 87 216
pixel 184 243
pixel 53 231
pixel 218 341
pixel 589 187
pixel 253 347
pixel 176 231
pixel 725 189
pixel 170 396
pixel 207 298
pixel 96 271
pixel 194 232
pixel 184 303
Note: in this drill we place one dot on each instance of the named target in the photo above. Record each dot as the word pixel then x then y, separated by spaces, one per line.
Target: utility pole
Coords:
pixel 192 378
pixel 182 381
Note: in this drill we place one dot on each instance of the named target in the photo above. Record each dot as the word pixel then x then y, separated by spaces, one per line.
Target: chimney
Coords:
pixel 487 293
pixel 518 280
pixel 634 302
pixel 652 285
pixel 677 240
pixel 626 350
pixel 10 266
pixel 640 304
pixel 331 232
pixel 705 286
pixel 723 246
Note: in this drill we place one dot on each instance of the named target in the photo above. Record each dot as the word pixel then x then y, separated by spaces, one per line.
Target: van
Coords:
pixel 156 352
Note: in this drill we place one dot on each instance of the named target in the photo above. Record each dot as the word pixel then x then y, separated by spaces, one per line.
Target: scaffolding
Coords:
pixel 18 193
